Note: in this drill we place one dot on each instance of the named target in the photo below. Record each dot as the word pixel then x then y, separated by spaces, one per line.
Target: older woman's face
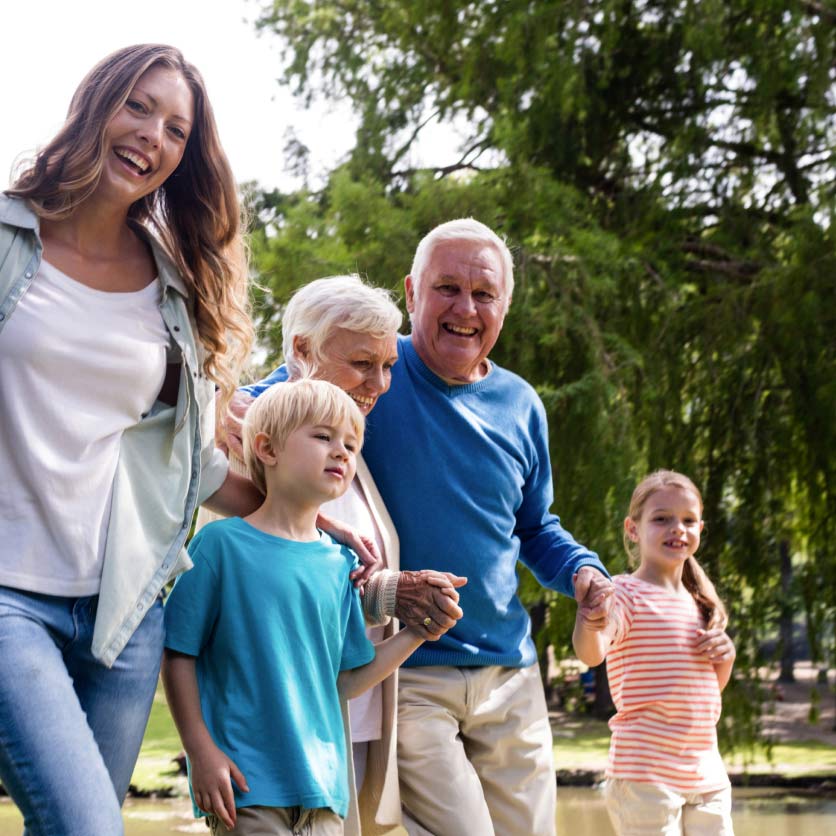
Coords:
pixel 360 364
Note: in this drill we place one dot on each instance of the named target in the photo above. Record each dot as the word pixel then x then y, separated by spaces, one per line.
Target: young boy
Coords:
pixel 265 635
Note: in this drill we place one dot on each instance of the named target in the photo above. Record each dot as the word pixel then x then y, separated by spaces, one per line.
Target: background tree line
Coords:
pixel 663 172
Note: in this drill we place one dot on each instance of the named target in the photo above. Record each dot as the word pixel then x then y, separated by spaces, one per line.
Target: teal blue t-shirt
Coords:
pixel 272 622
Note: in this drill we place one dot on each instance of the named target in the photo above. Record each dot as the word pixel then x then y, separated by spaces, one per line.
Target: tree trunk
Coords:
pixel 602 706
pixel 786 622
pixel 537 613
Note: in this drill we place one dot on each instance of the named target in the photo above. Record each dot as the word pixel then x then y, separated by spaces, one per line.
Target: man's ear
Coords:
pixel 409 288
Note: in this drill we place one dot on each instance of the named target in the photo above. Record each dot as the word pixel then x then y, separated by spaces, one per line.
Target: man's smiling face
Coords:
pixel 457 309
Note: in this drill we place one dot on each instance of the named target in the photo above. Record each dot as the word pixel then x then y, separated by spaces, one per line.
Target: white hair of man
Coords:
pixel 322 305
pixel 463 229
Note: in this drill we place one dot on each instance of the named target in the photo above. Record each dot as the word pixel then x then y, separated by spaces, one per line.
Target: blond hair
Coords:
pixel 284 408
pixel 195 213
pixel 693 576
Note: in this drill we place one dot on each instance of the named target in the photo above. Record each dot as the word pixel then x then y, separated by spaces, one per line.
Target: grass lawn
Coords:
pixel 582 743
pixel 155 770
pixel 579 743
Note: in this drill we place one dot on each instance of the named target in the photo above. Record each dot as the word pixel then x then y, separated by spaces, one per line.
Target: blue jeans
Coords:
pixel 70 728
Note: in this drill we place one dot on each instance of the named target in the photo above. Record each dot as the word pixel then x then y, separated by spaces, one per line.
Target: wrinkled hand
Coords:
pixel 364 547
pixel 370 558
pixel 228 436
pixel 716 645
pixel 594 594
pixel 212 773
pixel 428 594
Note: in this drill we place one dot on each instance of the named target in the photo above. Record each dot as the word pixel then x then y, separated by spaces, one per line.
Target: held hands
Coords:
pixel 716 645
pixel 594 594
pixel 212 773
pixel 428 603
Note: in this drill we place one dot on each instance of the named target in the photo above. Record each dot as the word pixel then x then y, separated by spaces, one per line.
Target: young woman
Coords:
pixel 123 304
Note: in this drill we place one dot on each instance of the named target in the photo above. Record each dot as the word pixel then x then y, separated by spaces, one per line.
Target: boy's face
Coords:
pixel 316 464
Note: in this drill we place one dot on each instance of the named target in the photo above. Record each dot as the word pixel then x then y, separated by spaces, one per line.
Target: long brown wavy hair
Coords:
pixel 195 214
pixel 693 575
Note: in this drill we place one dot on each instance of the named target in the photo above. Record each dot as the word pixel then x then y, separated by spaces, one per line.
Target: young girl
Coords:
pixel 668 659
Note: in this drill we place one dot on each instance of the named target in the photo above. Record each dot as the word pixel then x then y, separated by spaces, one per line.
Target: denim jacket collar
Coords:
pixel 15 211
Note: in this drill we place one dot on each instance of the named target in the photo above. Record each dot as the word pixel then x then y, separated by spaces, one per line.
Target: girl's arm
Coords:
pixel 595 625
pixel 719 648
pixel 590 642
pixel 387 657
pixel 211 770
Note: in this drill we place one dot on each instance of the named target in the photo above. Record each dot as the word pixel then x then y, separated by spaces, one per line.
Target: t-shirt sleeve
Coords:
pixel 357 649
pixel 622 611
pixel 192 605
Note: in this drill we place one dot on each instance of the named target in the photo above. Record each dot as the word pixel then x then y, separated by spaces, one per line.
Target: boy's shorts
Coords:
pixel 280 821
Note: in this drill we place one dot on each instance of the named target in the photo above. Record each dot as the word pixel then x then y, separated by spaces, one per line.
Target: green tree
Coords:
pixel 664 174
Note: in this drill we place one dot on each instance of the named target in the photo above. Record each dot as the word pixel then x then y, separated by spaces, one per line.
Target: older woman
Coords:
pixel 344 331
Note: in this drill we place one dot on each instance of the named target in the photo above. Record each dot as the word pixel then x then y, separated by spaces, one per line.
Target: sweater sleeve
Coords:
pixel 278 375
pixel 551 552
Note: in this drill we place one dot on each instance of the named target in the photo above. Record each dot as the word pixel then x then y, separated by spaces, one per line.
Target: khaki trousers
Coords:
pixel 280 821
pixel 475 752
pixel 639 809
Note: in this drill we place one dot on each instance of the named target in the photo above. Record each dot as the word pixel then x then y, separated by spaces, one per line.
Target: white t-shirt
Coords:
pixel 77 367
pixel 366 711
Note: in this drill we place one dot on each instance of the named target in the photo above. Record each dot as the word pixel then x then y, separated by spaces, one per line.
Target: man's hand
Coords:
pixel 427 601
pixel 229 425
pixel 594 594
pixel 212 773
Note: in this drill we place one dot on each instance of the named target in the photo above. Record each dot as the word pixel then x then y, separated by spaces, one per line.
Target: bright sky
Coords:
pixel 47 46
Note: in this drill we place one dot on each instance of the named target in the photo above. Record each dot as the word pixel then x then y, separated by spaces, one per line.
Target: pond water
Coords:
pixel 580 812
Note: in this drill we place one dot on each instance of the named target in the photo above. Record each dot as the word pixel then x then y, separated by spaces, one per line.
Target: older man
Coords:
pixel 459 451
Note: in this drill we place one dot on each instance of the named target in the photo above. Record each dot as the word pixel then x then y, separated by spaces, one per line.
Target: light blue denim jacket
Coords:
pixel 167 464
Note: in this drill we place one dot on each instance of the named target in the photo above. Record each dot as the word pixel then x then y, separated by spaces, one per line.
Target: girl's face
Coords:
pixel 146 139
pixel 668 530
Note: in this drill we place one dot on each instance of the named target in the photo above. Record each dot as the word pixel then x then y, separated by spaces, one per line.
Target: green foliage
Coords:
pixel 664 174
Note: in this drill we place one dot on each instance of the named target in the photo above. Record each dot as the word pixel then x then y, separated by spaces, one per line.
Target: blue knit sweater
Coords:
pixel 465 475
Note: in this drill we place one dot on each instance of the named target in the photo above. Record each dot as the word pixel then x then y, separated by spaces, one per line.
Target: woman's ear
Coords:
pixel 301 347
pixel 631 529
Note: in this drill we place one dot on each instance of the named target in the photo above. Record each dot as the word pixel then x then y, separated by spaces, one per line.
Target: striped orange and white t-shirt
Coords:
pixel 666 693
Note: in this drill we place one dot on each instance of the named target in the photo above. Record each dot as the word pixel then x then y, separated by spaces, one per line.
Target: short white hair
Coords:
pixel 322 305
pixel 463 229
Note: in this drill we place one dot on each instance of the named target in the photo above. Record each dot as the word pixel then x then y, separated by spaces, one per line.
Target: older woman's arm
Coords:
pixel 426 600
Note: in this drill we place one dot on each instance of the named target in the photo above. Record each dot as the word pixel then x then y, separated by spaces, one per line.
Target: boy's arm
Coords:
pixel 717 645
pixel 389 654
pixel 211 769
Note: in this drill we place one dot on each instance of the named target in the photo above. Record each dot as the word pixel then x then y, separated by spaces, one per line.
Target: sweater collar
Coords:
pixel 414 361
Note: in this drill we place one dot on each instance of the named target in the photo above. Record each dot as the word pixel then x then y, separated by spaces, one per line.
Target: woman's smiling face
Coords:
pixel 360 364
pixel 145 141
